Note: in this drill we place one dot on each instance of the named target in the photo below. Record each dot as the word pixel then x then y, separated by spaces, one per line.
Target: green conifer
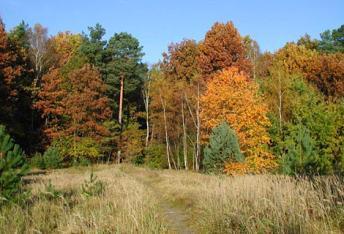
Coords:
pixel 12 166
pixel 223 147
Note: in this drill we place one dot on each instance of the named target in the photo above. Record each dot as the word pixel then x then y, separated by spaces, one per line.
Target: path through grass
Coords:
pixel 140 200
pixel 176 219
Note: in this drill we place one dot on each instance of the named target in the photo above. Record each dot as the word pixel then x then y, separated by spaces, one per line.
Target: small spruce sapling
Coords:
pixel 223 147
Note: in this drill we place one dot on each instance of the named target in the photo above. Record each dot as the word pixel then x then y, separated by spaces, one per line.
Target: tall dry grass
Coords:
pixel 124 207
pixel 134 198
pixel 258 204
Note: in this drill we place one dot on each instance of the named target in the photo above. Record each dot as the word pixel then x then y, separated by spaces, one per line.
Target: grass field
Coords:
pixel 128 199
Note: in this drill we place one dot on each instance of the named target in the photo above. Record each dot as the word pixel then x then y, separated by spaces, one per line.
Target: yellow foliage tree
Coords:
pixel 64 46
pixel 296 59
pixel 231 96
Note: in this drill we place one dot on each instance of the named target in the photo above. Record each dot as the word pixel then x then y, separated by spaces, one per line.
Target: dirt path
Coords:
pixel 176 219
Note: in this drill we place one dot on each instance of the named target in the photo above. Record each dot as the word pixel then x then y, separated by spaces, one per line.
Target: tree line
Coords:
pixel 219 104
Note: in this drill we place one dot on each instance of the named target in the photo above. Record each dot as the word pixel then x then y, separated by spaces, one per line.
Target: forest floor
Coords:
pixel 129 199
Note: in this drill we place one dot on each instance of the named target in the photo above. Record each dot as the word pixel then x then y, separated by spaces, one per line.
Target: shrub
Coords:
pixel 139 160
pixel 52 158
pixel 50 192
pixel 301 156
pixel 92 187
pixel 81 162
pixel 64 145
pixel 223 147
pixel 84 147
pixel 132 142
pixel 12 166
pixel 155 156
pixel 37 161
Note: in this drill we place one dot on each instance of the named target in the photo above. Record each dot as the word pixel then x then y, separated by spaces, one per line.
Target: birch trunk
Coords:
pixel 146 102
pixel 121 101
pixel 197 122
pixel 198 131
pixel 280 96
pixel 166 134
pixel 120 118
pixel 185 150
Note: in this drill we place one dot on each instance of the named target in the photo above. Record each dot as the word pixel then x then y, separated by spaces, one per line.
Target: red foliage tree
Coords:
pixel 10 69
pixel 51 104
pixel 327 73
pixel 223 47
pixel 74 105
pixel 85 104
pixel 182 60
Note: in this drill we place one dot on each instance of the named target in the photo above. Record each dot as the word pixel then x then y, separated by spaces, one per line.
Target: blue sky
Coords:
pixel 156 23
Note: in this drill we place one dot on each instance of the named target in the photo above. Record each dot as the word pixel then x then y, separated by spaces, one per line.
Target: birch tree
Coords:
pixel 38 37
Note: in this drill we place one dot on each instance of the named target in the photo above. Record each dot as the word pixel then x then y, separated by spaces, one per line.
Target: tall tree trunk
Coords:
pixel 172 157
pixel 197 123
pixel 280 96
pixel 185 150
pixel 74 139
pixel 146 102
pixel 198 131
pixel 121 101
pixel 193 158
pixel 152 133
pixel 178 158
pixel 120 118
pixel 166 134
pixel 254 63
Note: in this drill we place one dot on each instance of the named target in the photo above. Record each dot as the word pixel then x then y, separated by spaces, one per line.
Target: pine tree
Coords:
pixel 302 156
pixel 223 147
pixel 12 166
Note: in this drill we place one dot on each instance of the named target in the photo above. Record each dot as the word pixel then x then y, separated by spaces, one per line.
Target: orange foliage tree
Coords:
pixel 165 126
pixel 181 60
pixel 223 47
pixel 75 106
pixel 72 98
pixel 51 95
pixel 86 104
pixel 264 63
pixel 180 66
pixel 50 103
pixel 327 73
pixel 230 96
pixel 10 69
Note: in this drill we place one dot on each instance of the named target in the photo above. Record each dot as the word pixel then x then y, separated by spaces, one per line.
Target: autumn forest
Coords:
pixel 219 107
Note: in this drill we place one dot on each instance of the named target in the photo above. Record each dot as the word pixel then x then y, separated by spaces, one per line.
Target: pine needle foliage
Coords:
pixel 223 147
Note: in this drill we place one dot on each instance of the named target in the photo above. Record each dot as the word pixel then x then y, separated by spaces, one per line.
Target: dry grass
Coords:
pixel 258 204
pixel 134 198
pixel 125 207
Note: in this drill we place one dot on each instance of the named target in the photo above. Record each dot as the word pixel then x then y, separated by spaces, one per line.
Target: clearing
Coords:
pixel 128 199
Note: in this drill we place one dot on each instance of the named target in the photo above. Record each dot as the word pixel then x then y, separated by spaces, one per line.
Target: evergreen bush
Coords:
pixel 12 167
pixel 223 147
